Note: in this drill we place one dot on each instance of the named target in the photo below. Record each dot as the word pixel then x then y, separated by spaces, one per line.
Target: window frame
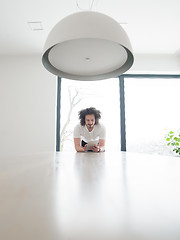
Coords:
pixel 137 76
pixel 122 104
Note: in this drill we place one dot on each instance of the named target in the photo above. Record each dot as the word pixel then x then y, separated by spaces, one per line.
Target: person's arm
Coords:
pixel 78 147
pixel 100 147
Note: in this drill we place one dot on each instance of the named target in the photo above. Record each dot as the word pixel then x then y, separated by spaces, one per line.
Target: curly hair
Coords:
pixel 88 111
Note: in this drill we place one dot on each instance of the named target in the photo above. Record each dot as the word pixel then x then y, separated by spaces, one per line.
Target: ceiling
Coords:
pixel 153 26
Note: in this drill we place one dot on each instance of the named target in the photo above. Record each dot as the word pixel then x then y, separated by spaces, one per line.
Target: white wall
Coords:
pixel 27 106
pixel 28 100
pixel 156 64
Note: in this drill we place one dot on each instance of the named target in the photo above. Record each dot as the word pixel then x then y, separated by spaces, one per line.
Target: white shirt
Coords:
pixel 98 132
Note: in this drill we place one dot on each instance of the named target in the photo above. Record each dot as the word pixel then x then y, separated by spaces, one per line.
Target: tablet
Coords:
pixel 92 143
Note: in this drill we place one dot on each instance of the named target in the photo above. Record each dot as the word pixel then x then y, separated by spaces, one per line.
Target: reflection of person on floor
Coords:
pixel 88 130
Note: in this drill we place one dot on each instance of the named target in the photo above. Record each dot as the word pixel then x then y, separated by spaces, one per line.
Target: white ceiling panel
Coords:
pixel 153 26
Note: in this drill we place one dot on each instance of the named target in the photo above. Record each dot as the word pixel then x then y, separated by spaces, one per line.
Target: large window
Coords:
pixel 137 110
pixel 77 95
pixel 151 110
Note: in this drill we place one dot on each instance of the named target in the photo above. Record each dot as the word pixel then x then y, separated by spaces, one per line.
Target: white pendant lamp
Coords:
pixel 87 46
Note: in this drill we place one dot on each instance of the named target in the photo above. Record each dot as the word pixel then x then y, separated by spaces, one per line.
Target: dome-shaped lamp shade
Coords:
pixel 87 46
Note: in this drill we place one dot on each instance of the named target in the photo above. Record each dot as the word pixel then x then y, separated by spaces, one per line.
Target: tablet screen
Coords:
pixel 92 143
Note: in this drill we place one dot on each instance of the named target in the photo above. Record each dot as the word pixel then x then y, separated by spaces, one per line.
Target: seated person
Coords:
pixel 88 130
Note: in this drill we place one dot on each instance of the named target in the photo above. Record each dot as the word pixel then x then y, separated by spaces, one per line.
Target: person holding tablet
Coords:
pixel 89 134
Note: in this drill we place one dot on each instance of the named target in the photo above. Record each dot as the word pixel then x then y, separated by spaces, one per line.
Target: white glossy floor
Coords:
pixel 90 196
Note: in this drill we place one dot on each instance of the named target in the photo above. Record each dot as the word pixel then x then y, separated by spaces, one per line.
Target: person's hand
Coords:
pixel 84 148
pixel 95 148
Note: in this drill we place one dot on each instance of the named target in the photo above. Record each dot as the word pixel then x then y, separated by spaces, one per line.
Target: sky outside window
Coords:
pixel 151 109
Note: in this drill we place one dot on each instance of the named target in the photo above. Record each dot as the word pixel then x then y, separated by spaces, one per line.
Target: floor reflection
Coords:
pixel 89 174
pixel 93 195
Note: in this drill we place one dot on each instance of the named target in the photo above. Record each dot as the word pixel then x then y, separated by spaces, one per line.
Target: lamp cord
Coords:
pixel 92 4
pixel 90 8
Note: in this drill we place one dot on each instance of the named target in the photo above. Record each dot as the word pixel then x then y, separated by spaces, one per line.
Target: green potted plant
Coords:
pixel 173 140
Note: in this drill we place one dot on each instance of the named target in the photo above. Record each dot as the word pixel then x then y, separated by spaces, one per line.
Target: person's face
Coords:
pixel 90 121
